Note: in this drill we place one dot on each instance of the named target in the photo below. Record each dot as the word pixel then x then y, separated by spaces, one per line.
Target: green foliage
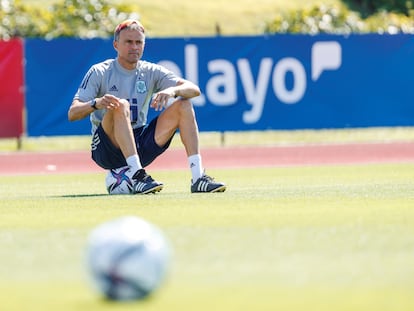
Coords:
pixel 316 19
pixel 371 7
pixel 16 19
pixel 97 18
pixel 69 18
pixel 338 19
pixel 391 23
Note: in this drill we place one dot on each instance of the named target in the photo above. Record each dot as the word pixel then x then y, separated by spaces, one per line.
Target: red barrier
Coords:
pixel 11 88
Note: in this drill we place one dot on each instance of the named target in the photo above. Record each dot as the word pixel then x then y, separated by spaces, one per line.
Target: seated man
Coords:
pixel 117 94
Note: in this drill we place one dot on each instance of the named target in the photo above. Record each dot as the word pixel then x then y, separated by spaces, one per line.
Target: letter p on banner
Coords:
pixel 325 56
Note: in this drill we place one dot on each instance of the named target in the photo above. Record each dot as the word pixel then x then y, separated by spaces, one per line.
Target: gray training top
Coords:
pixel 137 86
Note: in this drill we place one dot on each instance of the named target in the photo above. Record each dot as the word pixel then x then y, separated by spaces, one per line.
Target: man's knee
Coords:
pixel 124 105
pixel 185 106
pixel 123 109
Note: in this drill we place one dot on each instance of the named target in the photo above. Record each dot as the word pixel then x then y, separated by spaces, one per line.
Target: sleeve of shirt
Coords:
pixel 165 78
pixel 90 85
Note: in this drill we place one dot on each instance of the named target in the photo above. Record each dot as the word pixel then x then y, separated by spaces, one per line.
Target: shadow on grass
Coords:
pixel 82 195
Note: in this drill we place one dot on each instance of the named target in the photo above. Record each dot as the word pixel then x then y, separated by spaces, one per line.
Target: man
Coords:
pixel 117 94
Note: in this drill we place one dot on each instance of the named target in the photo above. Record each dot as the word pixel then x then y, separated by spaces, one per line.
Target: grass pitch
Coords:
pixel 294 238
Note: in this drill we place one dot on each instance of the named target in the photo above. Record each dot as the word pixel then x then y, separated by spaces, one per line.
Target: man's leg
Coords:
pixel 117 125
pixel 180 115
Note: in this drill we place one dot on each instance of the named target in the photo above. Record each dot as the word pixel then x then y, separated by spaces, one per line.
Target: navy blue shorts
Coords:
pixel 107 156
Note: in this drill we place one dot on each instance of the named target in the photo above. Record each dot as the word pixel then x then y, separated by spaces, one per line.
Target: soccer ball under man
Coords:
pixel 127 258
pixel 118 182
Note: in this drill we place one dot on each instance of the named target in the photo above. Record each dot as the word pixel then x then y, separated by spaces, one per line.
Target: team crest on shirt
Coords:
pixel 141 86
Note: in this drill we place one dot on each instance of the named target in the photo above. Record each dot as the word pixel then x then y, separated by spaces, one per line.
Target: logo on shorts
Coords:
pixel 141 86
pixel 95 141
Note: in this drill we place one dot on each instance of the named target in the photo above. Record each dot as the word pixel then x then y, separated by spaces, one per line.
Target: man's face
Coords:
pixel 130 47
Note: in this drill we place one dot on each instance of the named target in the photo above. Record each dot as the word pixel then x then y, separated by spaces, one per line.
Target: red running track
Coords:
pixel 223 157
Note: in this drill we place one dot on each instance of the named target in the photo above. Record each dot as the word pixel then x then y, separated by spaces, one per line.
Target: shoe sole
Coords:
pixel 152 190
pixel 218 189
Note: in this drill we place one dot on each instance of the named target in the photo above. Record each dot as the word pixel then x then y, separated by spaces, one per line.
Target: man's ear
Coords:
pixel 115 45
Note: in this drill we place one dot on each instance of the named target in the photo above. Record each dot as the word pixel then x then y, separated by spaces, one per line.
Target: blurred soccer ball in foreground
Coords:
pixel 118 182
pixel 127 258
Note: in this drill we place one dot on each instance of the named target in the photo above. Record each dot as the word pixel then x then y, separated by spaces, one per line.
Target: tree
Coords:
pixel 70 18
pixel 369 7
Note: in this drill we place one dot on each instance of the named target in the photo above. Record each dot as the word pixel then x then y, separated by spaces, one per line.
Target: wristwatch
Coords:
pixel 93 104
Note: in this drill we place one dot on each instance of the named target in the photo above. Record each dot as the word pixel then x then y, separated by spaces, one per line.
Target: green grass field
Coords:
pixel 294 238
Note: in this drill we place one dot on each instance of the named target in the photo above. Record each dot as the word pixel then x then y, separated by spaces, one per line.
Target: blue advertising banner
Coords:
pixel 247 83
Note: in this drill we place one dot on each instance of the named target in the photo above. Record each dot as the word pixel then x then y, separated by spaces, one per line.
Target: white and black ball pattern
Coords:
pixel 127 258
pixel 118 182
